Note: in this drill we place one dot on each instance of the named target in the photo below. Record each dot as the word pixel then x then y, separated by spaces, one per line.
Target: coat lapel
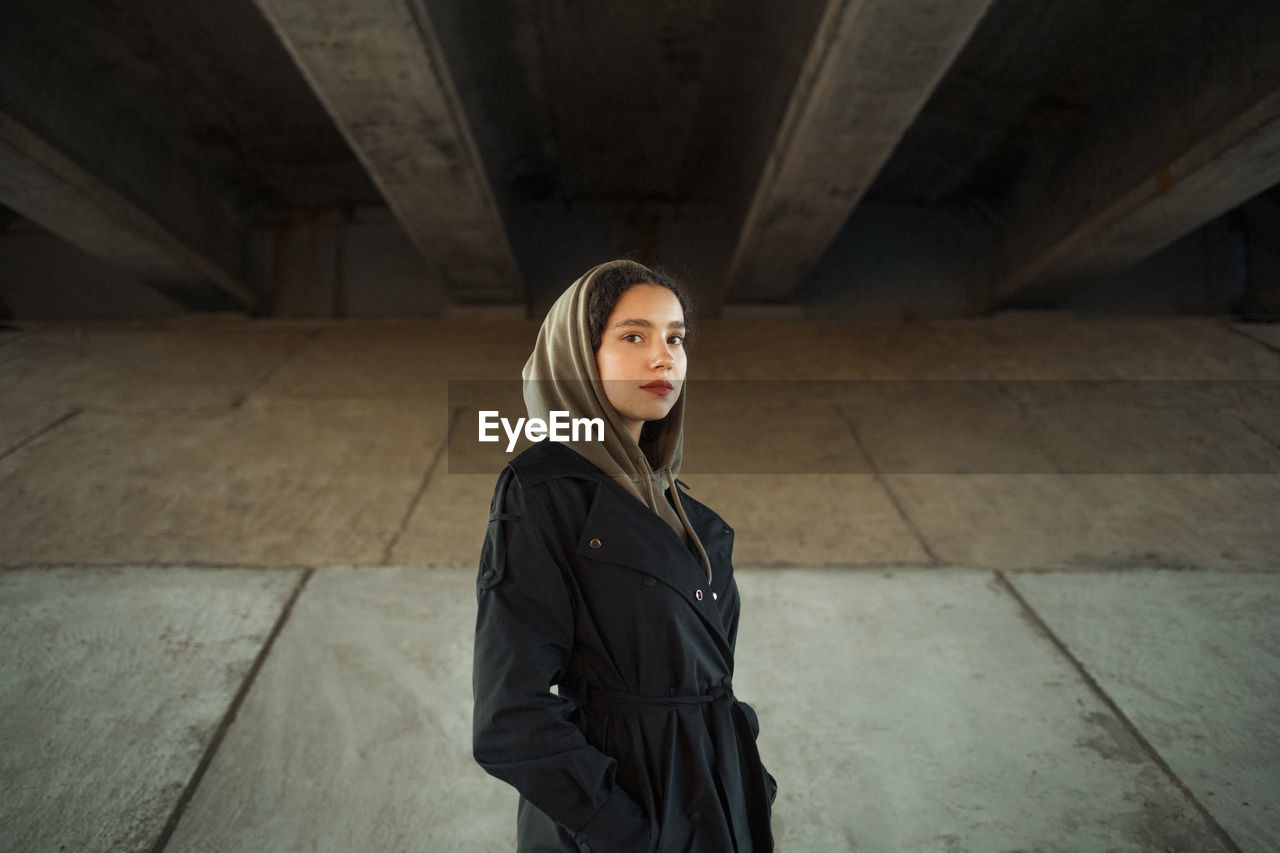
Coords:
pixel 619 529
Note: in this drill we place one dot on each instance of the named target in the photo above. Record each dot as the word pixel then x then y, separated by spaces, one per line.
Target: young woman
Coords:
pixel 600 578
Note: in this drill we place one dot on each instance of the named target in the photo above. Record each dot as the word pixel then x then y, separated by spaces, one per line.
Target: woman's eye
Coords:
pixel 631 337
pixel 678 340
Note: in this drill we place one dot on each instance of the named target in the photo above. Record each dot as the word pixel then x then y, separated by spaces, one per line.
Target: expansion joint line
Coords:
pixel 422 488
pixel 162 841
pixel 309 337
pixel 1244 334
pixel 1120 715
pixel 884 484
pixel 43 431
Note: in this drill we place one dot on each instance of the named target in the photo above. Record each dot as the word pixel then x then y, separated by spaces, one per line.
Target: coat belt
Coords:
pixel 734 744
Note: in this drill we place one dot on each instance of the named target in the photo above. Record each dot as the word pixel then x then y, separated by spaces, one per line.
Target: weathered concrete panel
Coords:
pixel 404 359
pixel 1190 658
pixel 1266 334
pixel 22 423
pixel 1013 347
pixel 205 366
pixel 379 71
pixel 919 710
pixel 112 684
pixel 357 732
pixel 273 483
pixel 857 94
pixel 839 520
pixel 781 520
pixel 448 524
pixel 950 723
pixel 1019 521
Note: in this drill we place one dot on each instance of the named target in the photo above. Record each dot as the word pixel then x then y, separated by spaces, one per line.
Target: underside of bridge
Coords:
pixel 881 159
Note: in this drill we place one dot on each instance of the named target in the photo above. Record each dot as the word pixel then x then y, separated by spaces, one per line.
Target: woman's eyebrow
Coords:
pixel 674 324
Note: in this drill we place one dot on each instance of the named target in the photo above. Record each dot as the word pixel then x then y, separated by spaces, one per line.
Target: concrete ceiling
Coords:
pixel 733 142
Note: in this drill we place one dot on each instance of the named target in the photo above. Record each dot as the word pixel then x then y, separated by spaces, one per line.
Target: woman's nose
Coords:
pixel 663 356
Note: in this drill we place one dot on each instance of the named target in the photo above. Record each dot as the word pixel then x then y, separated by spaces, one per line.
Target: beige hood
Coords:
pixel 561 375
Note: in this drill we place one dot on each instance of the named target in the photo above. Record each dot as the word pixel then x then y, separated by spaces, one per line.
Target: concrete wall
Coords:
pixel 889 263
pixel 892 263
pixel 344 263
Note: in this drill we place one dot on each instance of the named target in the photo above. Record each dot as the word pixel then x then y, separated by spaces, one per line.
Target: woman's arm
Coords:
pixel 521 731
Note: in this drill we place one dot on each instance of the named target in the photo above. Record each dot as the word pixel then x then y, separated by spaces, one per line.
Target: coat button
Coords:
pixel 697 594
pixel 594 543
pixel 715 596
pixel 671 692
pixel 650 582
pixel 488 573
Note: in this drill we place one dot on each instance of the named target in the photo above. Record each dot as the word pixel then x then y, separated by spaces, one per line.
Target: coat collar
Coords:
pixel 628 533
pixel 547 460
pixel 619 529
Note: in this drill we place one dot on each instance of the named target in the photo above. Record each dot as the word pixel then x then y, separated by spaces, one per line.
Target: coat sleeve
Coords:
pixel 521 731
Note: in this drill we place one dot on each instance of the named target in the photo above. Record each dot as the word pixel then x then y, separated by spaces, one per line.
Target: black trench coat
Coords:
pixel 642 746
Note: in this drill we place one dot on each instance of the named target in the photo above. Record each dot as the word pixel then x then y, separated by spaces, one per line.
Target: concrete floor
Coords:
pixel 1008 584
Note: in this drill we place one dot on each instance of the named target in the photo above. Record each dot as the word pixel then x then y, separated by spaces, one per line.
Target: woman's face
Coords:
pixel 641 357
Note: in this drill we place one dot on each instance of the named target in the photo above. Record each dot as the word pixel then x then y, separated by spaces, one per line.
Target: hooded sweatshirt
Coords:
pixel 561 375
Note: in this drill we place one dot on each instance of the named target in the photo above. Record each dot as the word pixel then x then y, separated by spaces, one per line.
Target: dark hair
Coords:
pixel 608 287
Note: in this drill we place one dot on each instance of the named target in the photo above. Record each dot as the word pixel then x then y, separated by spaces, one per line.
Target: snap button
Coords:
pixel 728 529
pixel 698 594
pixel 594 543
pixel 488 573
pixel 715 596
pixel 671 692
pixel 650 582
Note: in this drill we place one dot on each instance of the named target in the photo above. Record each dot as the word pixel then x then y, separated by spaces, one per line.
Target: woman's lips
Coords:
pixel 661 388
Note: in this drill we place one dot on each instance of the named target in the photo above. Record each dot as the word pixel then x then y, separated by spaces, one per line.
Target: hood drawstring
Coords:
pixel 675 499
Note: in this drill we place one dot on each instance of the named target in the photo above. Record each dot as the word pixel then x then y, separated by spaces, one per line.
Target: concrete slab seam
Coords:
pixel 1242 333
pixel 154 564
pixel 422 489
pixel 1259 433
pixel 229 717
pixel 1025 410
pixel 44 430
pixel 309 338
pixel 1129 567
pixel 884 484
pixel 1105 698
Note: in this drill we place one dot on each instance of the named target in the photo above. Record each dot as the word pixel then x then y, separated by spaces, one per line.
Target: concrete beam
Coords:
pixel 856 96
pixel 47 187
pixel 379 70
pixel 94 148
pixel 1183 146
